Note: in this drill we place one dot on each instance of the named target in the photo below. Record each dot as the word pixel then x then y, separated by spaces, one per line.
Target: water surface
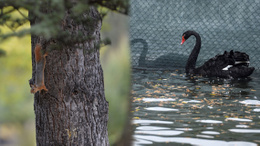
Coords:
pixel 172 109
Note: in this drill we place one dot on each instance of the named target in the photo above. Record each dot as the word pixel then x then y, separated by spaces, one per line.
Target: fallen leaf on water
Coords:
pixel 136 118
pixel 213 93
pixel 157 91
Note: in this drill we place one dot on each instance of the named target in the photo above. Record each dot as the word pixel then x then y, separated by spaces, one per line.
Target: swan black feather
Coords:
pixel 227 65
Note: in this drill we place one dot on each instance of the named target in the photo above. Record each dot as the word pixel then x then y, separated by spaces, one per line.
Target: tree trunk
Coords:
pixel 74 111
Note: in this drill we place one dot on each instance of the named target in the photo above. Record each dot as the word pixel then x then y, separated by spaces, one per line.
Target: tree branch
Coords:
pixel 121 6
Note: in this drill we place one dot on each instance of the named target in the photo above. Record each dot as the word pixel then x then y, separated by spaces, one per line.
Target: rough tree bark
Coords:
pixel 74 111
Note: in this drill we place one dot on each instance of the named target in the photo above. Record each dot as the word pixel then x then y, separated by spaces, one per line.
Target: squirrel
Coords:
pixel 40 60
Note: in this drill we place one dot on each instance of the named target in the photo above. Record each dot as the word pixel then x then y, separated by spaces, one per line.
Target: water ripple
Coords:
pixel 160 132
pixel 209 121
pixel 256 110
pixel 245 130
pixel 210 132
pixel 157 99
pixel 160 109
pixel 151 128
pixel 193 141
pixel 239 119
pixel 151 122
pixel 251 102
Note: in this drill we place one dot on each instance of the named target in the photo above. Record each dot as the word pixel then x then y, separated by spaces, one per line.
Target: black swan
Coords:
pixel 228 65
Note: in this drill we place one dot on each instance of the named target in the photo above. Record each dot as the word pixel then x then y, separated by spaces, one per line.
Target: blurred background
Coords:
pixel 17 120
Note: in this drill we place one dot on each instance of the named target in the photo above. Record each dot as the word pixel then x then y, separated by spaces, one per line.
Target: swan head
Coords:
pixel 186 35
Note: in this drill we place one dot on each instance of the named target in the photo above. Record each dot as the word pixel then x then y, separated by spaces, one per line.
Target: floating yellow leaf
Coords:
pixel 213 93
pixel 136 118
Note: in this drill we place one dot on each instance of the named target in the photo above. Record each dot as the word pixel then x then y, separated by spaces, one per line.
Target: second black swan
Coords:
pixel 233 64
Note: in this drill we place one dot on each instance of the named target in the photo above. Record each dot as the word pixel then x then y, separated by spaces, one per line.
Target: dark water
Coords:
pixel 172 109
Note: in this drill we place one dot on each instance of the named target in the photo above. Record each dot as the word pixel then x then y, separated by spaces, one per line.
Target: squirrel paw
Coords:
pixel 36 89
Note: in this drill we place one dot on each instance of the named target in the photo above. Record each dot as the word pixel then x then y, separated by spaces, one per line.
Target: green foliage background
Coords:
pixel 16 103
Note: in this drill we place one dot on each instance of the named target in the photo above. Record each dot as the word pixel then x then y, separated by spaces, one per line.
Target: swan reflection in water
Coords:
pixel 147 59
pixel 228 65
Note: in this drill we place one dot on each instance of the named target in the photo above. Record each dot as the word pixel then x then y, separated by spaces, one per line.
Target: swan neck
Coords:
pixel 191 63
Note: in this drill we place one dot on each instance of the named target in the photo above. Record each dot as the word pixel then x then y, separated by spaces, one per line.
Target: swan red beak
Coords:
pixel 183 40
